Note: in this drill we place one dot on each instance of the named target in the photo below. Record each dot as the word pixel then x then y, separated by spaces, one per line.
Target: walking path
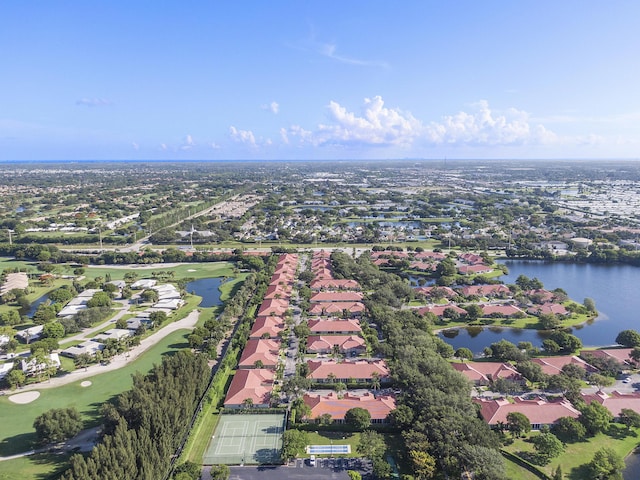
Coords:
pixel 120 360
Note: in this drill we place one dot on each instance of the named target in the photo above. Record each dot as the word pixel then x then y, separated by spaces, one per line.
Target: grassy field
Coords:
pixel 577 455
pixel 516 471
pixel 44 466
pixel 17 432
pixel 187 270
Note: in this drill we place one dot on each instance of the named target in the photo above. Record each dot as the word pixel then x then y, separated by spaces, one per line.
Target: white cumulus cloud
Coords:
pixel 380 126
pixel 273 107
pixel 187 143
pixel 485 127
pixel 242 136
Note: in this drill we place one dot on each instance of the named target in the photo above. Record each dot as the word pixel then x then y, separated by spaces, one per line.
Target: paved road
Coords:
pixel 325 469
pixel 119 361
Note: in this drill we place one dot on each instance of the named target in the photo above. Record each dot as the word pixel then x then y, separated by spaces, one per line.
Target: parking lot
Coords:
pixel 325 469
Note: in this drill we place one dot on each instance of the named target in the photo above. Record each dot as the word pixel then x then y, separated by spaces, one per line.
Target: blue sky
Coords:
pixel 319 80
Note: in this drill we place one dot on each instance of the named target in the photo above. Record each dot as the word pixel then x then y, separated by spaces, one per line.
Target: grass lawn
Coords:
pixel 337 438
pixel 187 270
pixel 44 466
pixel 516 471
pixel 17 432
pixel 577 455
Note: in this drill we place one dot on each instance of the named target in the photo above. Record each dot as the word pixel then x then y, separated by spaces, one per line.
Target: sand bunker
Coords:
pixel 192 270
pixel 26 397
pixel 86 383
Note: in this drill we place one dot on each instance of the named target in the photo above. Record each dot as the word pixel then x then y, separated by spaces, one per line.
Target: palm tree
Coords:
pixel 247 403
pixel 375 380
pixel 331 377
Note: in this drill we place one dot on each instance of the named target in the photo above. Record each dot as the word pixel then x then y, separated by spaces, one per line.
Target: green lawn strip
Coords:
pixel 578 454
pixel 513 470
pixel 198 442
pixel 187 270
pixel 17 432
pixel 44 466
pixel 529 323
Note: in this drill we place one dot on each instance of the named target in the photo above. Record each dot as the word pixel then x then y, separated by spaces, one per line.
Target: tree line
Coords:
pixel 143 426
pixel 441 428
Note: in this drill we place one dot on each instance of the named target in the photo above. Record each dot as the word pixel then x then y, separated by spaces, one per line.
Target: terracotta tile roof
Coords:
pixel 333 283
pixel 471 258
pixel 430 255
pixel 278 291
pixel 325 343
pixel 484 373
pixel 619 354
pixel 424 266
pixel 616 401
pixel 484 290
pixel 273 306
pixel 334 326
pixel 255 384
pixel 548 308
pixel 539 412
pixel 477 268
pixel 358 370
pixel 264 350
pixel 438 310
pixel 336 308
pixel 336 297
pixel 506 310
pixel 379 407
pixel 264 324
pixel 553 365
pixel 447 292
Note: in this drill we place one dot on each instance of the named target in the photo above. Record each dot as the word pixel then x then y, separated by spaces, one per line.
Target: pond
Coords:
pixel 208 289
pixel 613 287
pixel 34 306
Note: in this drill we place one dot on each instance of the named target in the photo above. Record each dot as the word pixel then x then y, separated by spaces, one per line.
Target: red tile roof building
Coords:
pixel 267 327
pixel 379 407
pixel 273 307
pixel 262 350
pixel 347 344
pixel 354 309
pixel 439 310
pixel 621 355
pixel 539 412
pixel 553 365
pixel 255 384
pixel 485 290
pixel 334 326
pixel 502 309
pixel 484 373
pixel 616 401
pixel 347 371
pixel 322 297
pixel 335 284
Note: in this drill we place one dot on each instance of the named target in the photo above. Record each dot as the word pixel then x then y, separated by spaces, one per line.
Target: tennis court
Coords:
pixel 246 439
pixel 328 449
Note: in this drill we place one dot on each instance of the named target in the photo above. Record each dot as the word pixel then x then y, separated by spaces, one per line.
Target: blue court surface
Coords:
pixel 328 449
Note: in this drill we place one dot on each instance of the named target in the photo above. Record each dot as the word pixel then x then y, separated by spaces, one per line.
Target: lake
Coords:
pixel 613 287
pixel 208 289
